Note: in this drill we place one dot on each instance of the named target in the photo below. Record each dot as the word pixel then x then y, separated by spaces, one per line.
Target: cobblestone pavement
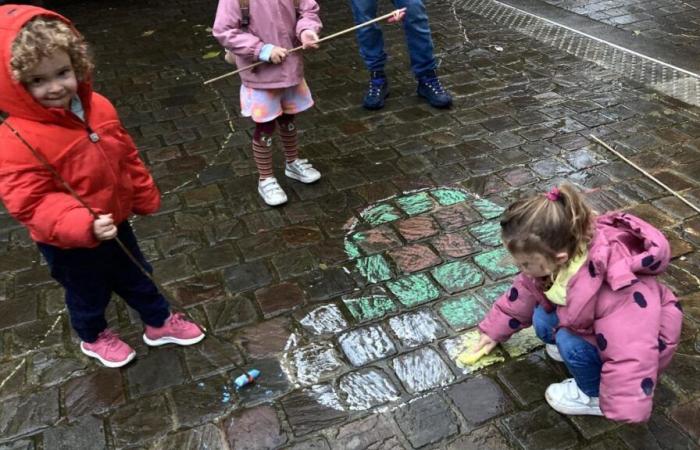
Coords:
pixel 673 21
pixel 354 298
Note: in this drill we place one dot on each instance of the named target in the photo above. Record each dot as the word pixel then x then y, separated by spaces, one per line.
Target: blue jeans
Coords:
pixel 416 29
pixel 580 357
pixel 90 275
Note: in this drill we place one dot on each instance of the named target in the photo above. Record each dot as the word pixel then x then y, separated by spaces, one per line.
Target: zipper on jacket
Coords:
pixel 94 137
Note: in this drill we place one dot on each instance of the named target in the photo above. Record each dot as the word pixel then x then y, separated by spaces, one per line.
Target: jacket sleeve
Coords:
pixel 146 198
pixel 227 31
pixel 512 311
pixel 308 17
pixel 52 216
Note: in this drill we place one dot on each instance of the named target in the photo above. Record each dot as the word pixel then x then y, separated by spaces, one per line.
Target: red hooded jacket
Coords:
pixel 104 170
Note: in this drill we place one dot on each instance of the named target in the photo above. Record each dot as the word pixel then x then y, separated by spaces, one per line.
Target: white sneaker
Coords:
pixel 270 190
pixel 553 352
pixel 301 170
pixel 567 398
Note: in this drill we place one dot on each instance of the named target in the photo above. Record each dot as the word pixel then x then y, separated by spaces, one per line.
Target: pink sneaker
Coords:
pixel 175 330
pixel 109 349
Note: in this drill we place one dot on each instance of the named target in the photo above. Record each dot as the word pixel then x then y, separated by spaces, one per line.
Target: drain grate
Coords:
pixel 672 81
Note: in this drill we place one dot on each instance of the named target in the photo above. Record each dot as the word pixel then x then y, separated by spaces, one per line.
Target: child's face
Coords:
pixel 537 265
pixel 52 82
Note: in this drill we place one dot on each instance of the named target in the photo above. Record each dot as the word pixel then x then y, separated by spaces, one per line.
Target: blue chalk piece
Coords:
pixel 247 378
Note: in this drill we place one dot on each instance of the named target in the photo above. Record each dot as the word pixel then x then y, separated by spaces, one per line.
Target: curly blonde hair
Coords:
pixel 41 37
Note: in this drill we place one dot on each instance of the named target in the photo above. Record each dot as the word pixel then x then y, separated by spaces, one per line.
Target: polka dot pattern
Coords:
pixel 601 341
pixel 648 386
pixel 513 295
pixel 639 299
pixel 514 324
pixel 591 269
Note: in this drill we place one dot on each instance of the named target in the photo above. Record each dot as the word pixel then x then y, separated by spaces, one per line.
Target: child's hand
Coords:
pixel 278 55
pixel 485 343
pixel 397 16
pixel 104 227
pixel 309 39
pixel 229 58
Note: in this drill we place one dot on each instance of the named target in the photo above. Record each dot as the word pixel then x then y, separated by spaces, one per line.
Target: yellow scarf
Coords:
pixel 557 293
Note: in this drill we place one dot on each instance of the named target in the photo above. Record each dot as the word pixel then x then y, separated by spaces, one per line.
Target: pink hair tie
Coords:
pixel 553 194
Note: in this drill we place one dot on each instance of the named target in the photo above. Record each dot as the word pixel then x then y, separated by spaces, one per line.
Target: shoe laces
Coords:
pixel 109 338
pixel 375 87
pixel 177 320
pixel 434 84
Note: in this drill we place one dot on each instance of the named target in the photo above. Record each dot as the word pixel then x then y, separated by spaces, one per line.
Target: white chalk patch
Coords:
pixel 314 362
pixel 365 389
pixel 323 320
pixel 366 344
pixel 416 328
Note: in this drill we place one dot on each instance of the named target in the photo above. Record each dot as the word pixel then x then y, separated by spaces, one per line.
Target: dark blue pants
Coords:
pixel 416 28
pixel 90 275
pixel 580 357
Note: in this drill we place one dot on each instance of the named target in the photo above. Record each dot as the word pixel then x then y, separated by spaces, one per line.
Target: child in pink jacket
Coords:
pixel 264 31
pixel 588 286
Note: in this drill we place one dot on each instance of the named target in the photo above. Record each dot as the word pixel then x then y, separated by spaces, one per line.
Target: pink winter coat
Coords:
pixel 271 22
pixel 616 303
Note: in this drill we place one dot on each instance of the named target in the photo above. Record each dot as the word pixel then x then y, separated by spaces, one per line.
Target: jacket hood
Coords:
pixel 15 99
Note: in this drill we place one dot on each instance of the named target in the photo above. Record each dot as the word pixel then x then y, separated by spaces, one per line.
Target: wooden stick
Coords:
pixel 652 177
pixel 295 49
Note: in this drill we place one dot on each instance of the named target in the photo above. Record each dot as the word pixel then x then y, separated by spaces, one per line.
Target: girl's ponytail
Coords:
pixel 581 215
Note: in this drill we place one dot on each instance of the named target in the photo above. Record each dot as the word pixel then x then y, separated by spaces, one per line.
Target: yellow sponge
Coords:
pixel 469 358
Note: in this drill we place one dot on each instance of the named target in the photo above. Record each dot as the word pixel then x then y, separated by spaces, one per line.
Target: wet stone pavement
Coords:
pixel 356 297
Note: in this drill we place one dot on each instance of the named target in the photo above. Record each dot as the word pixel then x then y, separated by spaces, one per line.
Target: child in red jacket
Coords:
pixel 46 92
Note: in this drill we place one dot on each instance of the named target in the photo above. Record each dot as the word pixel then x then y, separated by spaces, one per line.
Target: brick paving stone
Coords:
pixel 273 382
pixel 86 433
pixel 299 236
pixel 278 298
pixel 527 378
pixel 93 393
pixel 27 414
pixel 230 313
pixel 294 263
pixel 380 214
pixel 688 417
pixel 315 362
pixel 479 400
pixel 18 311
pixel 247 276
pixel 488 233
pixel 369 305
pixel 462 312
pixel 157 370
pixel 426 420
pixel 414 289
pixel 491 292
pixel 313 409
pixel 454 245
pixel 265 338
pixel 204 400
pixel 658 432
pixel 208 436
pixel 414 329
pixel 421 370
pixel 366 389
pixel 683 373
pixel 522 342
pixel 326 284
pixel 259 245
pixel 367 344
pixel 457 276
pixel 325 319
pixel 255 428
pixel 487 208
pixel 590 427
pixel 49 367
pixel 485 438
pixel 541 428
pixel 140 421
pixel 374 268
pixel 318 443
pixel 375 432
pixel 414 258
pixel 497 264
pixel 376 240
pixel 417 228
pixel 415 204
pixel 455 216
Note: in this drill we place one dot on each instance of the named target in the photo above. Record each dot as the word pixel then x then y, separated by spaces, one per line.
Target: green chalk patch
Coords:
pixel 415 204
pixel 488 233
pixel 369 307
pixel 457 276
pixel 380 214
pixel 414 290
pixel 497 263
pixel 487 208
pixel 374 268
pixel 447 197
pixel 462 312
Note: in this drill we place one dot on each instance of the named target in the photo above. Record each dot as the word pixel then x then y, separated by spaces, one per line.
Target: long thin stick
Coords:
pixel 652 177
pixel 296 49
